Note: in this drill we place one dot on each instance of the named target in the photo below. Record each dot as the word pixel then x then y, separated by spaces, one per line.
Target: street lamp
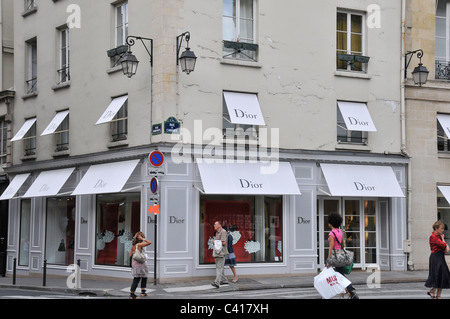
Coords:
pixel 187 59
pixel 129 61
pixel 420 73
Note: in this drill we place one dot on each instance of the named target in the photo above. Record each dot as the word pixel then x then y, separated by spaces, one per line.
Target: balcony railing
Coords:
pixel 442 70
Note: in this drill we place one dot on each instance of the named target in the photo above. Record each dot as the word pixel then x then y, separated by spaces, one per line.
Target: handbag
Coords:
pixel 340 258
pixel 139 256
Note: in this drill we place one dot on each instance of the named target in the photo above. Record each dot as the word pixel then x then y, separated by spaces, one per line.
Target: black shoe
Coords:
pixel 353 295
pixel 214 285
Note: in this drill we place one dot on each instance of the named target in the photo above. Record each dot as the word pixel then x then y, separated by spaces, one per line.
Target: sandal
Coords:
pixel 133 296
pixel 143 294
pixel 431 295
pixel 235 279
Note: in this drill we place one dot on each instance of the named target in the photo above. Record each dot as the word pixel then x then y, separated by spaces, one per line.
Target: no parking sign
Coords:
pixel 156 158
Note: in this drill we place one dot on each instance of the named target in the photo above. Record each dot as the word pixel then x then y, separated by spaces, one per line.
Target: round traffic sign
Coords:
pixel 154 185
pixel 156 158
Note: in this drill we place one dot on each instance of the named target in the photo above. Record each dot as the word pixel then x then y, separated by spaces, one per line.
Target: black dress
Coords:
pixel 438 273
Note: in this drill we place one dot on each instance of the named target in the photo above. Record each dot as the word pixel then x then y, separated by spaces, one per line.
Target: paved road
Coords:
pixel 386 291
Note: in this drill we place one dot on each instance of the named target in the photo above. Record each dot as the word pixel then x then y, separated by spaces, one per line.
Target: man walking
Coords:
pixel 220 241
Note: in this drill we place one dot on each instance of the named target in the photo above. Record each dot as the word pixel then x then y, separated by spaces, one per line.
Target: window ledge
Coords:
pixel 351 74
pixel 29 158
pixel 114 69
pixel 353 147
pixel 240 63
pixel 30 95
pixel 120 143
pixel 61 86
pixel 28 12
pixel 61 153
pixel 443 154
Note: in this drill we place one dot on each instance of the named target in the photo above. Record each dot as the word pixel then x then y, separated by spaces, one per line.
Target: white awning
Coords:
pixel 244 108
pixel 14 186
pixel 112 109
pixel 247 178
pixel 55 123
pixel 361 180
pixel 445 190
pixel 106 178
pixel 356 116
pixel 49 183
pixel 24 130
pixel 444 119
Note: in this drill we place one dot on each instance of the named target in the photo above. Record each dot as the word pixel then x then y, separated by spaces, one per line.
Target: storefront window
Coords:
pixel 443 214
pixel 60 231
pixel 257 226
pixel 117 220
pixel 24 245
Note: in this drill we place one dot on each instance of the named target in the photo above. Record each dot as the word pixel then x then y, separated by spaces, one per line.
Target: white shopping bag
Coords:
pixel 328 284
pixel 343 281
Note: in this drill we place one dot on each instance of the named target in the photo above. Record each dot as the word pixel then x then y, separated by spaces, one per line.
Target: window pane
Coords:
pixel 25 222
pixel 341 21
pixel 255 221
pixel 229 29
pixel 356 23
pixel 118 219
pixel 246 9
pixel 60 230
pixel 229 8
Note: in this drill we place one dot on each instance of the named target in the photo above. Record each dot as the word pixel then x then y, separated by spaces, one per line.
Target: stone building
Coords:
pixel 271 132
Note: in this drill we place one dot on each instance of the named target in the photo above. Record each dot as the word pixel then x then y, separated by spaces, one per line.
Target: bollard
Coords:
pixel 44 274
pixel 14 270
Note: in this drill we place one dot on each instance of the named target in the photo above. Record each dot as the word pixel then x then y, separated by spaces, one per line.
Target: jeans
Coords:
pixel 135 283
pixel 340 270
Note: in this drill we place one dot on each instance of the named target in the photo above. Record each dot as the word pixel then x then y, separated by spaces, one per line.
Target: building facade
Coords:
pixel 272 132
pixel 427 114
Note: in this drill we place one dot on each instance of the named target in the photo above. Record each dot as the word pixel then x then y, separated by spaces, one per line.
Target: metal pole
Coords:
pixel 155 249
pixel 44 276
pixel 14 270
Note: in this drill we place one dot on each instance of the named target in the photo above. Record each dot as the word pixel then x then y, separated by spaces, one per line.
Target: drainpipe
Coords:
pixel 403 132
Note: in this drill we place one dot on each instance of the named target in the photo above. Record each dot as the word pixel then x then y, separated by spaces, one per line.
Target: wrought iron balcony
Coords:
pixel 442 70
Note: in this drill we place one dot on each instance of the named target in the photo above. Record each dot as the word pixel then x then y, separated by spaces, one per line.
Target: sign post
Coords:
pixel 156 159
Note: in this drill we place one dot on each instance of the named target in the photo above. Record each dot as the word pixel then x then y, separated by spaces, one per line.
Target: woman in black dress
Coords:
pixel 438 273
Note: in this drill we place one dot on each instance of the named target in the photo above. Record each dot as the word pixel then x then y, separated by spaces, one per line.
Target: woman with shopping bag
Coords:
pixel 336 243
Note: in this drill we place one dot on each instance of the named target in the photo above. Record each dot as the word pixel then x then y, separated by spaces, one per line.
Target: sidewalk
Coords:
pixel 120 288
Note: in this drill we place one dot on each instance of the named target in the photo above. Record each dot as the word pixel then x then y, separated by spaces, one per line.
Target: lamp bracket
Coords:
pixel 410 54
pixel 185 35
pixel 131 41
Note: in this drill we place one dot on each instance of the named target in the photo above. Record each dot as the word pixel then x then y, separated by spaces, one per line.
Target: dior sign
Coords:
pixel 363 187
pixel 249 184
pixel 100 184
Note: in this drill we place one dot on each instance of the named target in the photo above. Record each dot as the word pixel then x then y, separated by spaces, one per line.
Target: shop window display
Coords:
pixel 117 220
pixel 60 230
pixel 257 221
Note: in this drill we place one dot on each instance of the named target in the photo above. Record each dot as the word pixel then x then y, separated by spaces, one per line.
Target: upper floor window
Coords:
pixel 30 141
pixel 350 41
pixel 31 66
pixel 239 32
pixel 119 124
pixel 443 132
pixel 442 40
pixel 121 24
pixel 3 141
pixel 64 55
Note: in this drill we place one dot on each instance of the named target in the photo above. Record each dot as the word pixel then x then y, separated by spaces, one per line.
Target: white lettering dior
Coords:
pixel 355 121
pixel 249 184
pixel 100 184
pixel 242 114
pixel 363 187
